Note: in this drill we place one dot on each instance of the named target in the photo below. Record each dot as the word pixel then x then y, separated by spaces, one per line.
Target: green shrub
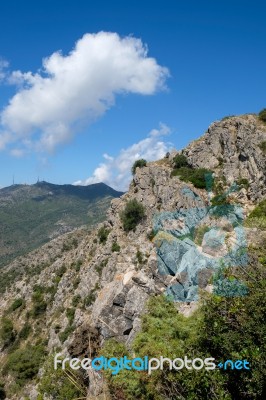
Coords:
pixel 78 265
pixel 66 333
pixel 61 384
pixel 7 332
pixel 17 304
pixel 76 282
pixel 219 200
pixel 70 313
pixel 262 115
pixel 61 271
pixel 257 218
pixel 76 300
pixel 195 176
pixel 139 256
pixel 243 182
pixel 180 160
pixel 262 146
pixel 151 235
pixel 103 234
pixel 115 247
pixel 24 363
pixel 138 164
pixel 25 331
pixel 89 299
pixel 132 214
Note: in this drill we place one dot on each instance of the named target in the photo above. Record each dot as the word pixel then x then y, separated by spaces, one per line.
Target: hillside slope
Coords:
pixel 84 288
pixel 31 215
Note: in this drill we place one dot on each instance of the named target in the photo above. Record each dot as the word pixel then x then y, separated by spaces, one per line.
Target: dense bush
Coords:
pixel 180 160
pixel 138 164
pixel 115 247
pixel 195 176
pixel 262 115
pixel 17 304
pixel 24 363
pixel 103 234
pixel 132 214
pixel 7 331
pixel 25 331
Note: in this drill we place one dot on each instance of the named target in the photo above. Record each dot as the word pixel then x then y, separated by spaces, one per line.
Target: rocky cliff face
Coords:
pixel 234 148
pixel 97 288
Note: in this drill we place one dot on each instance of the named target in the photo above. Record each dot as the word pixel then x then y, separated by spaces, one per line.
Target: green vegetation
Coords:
pixel 138 164
pixel 139 257
pixel 76 300
pixel 39 304
pixel 223 328
pixel 41 206
pixel 186 173
pixel 90 298
pixel 257 218
pixel 18 303
pixel 63 336
pixel 7 332
pixel 132 214
pixel 61 384
pixel 220 200
pixel 24 363
pixel 103 234
pixel 151 234
pixel 25 331
pixel 70 313
pixel 180 160
pixel 195 176
pixel 199 233
pixel 115 247
pixel 263 147
pixel 101 266
pixel 243 183
pixel 262 115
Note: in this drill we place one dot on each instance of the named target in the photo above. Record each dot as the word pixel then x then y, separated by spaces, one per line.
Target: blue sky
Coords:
pixel 205 60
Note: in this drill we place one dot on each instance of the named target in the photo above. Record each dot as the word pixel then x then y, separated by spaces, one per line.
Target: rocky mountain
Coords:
pixel 31 215
pixel 167 235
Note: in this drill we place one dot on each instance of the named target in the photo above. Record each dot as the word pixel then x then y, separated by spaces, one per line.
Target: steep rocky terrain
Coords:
pixel 85 287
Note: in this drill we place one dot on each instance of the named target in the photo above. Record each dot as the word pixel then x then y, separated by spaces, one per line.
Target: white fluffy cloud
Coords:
pixel 50 105
pixel 116 171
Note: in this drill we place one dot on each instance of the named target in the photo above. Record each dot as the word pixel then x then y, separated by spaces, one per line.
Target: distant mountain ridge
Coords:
pixel 31 215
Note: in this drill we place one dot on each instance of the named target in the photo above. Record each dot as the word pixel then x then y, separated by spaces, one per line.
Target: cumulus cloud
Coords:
pixel 116 171
pixel 50 104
